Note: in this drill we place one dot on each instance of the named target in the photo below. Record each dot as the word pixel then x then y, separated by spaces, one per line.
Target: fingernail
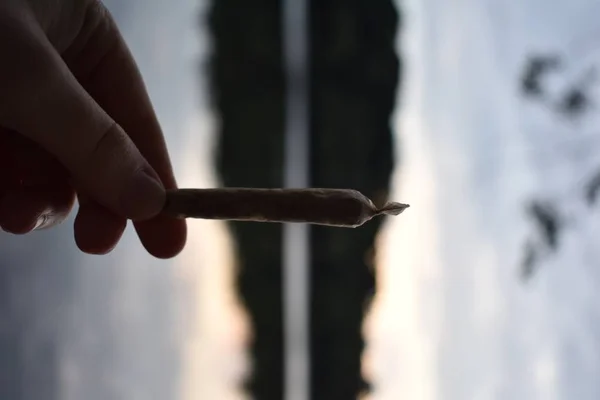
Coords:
pixel 40 223
pixel 144 196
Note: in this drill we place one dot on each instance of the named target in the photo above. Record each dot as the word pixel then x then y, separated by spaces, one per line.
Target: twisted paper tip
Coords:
pixel 392 208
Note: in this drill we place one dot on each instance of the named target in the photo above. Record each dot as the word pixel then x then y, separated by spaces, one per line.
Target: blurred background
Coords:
pixel 480 114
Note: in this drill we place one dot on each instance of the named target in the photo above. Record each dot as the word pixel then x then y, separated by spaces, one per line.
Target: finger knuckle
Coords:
pixel 110 153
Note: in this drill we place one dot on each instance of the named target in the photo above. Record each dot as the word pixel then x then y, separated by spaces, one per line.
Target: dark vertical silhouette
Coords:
pixel 354 72
pixel 248 92
pixel 354 77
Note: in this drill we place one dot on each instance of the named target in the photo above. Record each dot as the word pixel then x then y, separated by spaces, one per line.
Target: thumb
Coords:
pixel 112 170
pixel 46 103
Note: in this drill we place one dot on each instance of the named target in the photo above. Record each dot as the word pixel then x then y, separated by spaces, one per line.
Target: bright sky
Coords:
pixel 453 321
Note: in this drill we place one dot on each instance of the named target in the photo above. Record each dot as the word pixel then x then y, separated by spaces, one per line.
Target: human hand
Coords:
pixel 75 120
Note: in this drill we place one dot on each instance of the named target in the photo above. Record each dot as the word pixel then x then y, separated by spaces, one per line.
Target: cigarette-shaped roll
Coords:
pixel 333 207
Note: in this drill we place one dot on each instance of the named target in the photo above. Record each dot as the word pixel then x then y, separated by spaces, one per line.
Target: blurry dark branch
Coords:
pixel 536 69
pixel 547 221
pixel 592 188
pixel 548 226
pixel 530 260
pixel 575 101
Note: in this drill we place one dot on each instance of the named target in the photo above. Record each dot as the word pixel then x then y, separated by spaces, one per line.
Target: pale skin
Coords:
pixel 76 122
